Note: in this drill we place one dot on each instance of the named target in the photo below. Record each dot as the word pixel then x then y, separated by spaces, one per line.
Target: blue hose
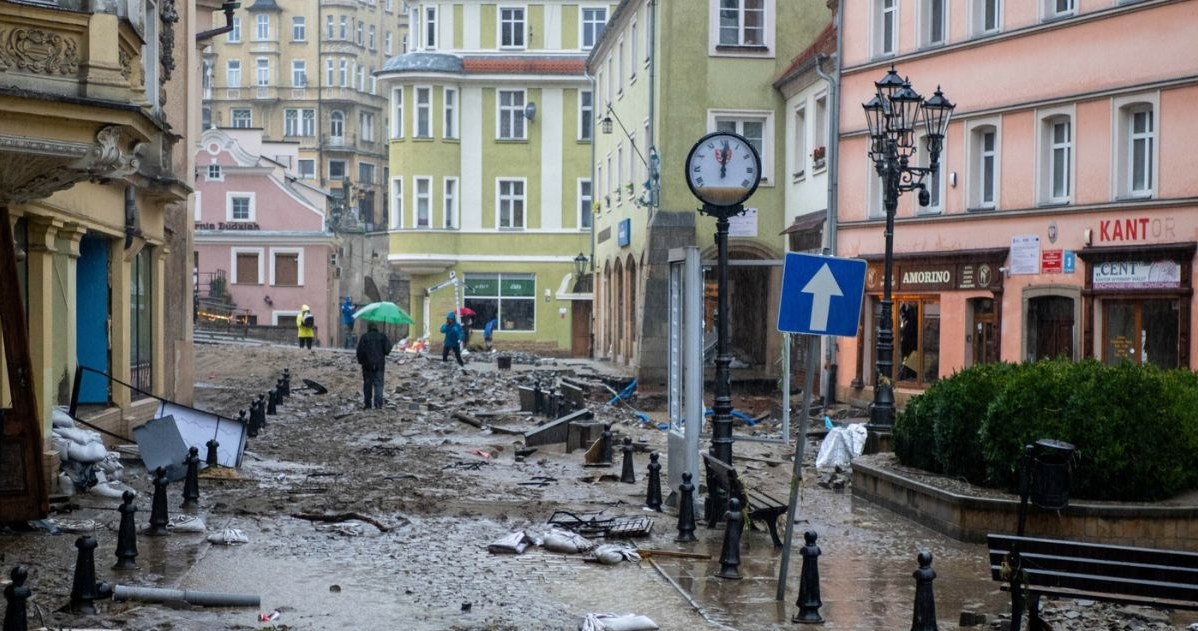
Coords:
pixel 740 415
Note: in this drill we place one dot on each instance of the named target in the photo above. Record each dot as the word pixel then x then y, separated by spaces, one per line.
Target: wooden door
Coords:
pixel 580 329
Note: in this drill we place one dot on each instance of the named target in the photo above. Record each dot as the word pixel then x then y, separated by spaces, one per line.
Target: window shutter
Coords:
pixel 287 269
pixel 247 269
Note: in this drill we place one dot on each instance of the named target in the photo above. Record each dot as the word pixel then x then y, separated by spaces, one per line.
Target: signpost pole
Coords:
pixel 796 475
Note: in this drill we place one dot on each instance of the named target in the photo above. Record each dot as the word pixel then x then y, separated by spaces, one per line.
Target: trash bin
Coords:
pixel 504 363
pixel 1050 475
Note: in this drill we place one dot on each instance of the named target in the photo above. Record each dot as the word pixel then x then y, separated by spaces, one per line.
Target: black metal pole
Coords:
pixel 721 408
pixel 881 415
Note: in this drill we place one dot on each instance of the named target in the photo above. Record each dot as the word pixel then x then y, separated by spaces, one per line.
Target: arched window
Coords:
pixel 337 124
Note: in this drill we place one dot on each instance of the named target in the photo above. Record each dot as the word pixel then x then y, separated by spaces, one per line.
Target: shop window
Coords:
pixel 983 334
pixel 1050 328
pixel 1141 332
pixel 916 326
pixel 509 298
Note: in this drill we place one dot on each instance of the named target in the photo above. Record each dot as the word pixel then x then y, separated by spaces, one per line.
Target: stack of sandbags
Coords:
pixel 86 463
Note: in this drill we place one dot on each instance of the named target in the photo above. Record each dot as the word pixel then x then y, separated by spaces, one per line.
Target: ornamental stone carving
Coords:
pixel 33 168
pixel 126 61
pixel 38 51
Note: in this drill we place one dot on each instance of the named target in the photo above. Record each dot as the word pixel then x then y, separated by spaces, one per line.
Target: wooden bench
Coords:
pixel 758 505
pixel 1071 569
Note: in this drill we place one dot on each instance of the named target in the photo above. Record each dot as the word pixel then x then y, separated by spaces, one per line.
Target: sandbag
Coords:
pixel 89 453
pixel 611 554
pixel 109 489
pixel 617 622
pixel 77 435
pixel 566 542
pixel 228 536
pixel 60 418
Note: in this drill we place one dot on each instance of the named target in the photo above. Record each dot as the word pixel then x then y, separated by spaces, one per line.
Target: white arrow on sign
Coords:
pixel 822 287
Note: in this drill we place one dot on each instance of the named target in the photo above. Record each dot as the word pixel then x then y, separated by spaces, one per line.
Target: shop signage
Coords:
pixel 1069 261
pixel 933 277
pixel 1025 254
pixel 744 225
pixel 917 278
pixel 1136 275
pixel 1051 261
pixel 239 225
pixel 1135 229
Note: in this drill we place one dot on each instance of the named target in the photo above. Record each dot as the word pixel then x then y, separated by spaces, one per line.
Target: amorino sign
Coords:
pixel 946 276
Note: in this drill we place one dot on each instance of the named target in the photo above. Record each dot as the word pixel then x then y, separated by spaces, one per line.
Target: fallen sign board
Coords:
pixel 164 441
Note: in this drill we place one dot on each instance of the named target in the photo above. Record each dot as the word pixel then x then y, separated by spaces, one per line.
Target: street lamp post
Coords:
pixel 893 115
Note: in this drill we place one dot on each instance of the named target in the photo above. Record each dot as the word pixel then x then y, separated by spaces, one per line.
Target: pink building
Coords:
pixel 263 247
pixel 1064 217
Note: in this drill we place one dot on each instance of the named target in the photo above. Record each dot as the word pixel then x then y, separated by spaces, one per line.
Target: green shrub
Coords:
pixel 1135 428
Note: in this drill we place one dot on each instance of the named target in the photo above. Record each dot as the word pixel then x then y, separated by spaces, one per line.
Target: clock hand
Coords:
pixel 723 157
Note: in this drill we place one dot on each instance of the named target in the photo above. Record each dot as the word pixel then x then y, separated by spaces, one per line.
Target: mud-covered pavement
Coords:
pixel 441 490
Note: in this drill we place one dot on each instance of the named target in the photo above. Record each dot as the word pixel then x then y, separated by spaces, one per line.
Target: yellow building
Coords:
pixel 304 72
pixel 95 178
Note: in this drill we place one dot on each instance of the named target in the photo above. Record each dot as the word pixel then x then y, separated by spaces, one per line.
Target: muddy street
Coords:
pixel 432 492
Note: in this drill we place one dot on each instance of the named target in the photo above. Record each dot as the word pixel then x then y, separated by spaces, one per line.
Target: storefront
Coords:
pixel 1137 303
pixel 946 315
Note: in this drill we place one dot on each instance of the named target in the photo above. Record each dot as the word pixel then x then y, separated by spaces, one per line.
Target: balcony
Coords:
pixel 266 92
pixel 264 47
pixel 233 94
pixel 299 93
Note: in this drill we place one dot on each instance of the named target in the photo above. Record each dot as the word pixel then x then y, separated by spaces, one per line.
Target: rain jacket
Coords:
pixel 373 348
pixel 490 327
pixel 453 331
pixel 304 331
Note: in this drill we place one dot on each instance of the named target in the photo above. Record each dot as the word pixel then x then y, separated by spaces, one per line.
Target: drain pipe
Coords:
pixel 228 8
pixel 833 188
pixel 206 599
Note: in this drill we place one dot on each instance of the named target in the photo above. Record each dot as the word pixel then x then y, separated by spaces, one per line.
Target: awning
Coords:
pixel 807 223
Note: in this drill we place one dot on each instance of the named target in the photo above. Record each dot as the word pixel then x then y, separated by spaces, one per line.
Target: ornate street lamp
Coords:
pixel 893 116
pixel 580 264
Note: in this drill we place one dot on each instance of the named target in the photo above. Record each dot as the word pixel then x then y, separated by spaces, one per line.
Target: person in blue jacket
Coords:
pixel 453 338
pixel 347 320
pixel 489 331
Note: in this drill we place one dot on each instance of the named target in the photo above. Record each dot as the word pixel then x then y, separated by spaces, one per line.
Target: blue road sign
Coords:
pixel 821 295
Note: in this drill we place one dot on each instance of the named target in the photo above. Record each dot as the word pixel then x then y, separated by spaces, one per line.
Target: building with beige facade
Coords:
pixel 1064 218
pixel 303 71
pixel 96 170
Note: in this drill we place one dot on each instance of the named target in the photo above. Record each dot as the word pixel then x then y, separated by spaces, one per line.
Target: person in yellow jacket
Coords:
pixel 305 323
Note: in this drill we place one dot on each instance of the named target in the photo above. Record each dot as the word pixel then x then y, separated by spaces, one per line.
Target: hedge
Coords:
pixel 1135 427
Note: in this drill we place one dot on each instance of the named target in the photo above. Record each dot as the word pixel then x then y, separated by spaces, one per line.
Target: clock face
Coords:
pixel 723 169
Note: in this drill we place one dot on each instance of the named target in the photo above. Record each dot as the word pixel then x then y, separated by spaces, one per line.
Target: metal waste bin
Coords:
pixel 1051 465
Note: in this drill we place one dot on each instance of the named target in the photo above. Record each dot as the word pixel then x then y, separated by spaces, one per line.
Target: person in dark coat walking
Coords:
pixel 373 349
pixel 453 338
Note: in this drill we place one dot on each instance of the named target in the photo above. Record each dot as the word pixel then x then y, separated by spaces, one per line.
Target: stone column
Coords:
pixel 120 280
pixel 72 236
pixel 43 235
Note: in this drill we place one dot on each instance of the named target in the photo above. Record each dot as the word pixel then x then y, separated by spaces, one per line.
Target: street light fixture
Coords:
pixel 893 115
pixel 580 264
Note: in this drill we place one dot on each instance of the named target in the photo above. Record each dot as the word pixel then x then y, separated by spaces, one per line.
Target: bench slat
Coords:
pixel 1166 573
pixel 1038 577
pixel 1115 598
pixel 1095 550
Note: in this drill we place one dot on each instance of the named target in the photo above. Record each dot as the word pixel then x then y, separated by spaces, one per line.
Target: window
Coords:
pixel 343 31
pixel 511 115
pixel 511 27
pixel 397 115
pixel 240 207
pixel 387 38
pixel 633 160
pixel 585 205
pixel 1136 156
pixel 390 5
pixel 424 113
pixel 593 22
pixel 983 188
pixel 620 66
pixel 424 202
pixel 329 70
pixel 933 182
pixel 242 119
pixel 366 123
pixel 601 175
pixel 449 126
pixel 307 169
pixel 299 29
pixel 141 321
pixel 291 122
pixel 1054 9
pixel 632 58
pixel 885 27
pixel 337 125
pixel 366 173
pixel 396 218
pixel 336 170
pixel 800 142
pixel 1142 331
pixel 374 82
pixel 451 203
pixel 234 36
pixel 1057 159
pixel 819 140
pixel 343 72
pixel 586 114
pixel 285 269
pixel 619 174
pixel 215 174
pixel 986 16
pixel 607 183
pixel 742 23
pixel 934 22
pixel 430 28
pixel 262 27
pixel 511 299
pixel 299 73
pixel 248 269
pixel 262 71
pixel 233 73
pixel 611 74
pixel 360 73
pixel 372 38
pixel 755 129
pixel 358 32
pixel 916 327
pixel 511 204
pixel 329 29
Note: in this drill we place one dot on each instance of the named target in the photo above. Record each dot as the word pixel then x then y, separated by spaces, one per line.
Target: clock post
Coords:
pixel 723 170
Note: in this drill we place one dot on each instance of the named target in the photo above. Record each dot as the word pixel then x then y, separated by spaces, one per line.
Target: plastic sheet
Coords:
pixel 841 445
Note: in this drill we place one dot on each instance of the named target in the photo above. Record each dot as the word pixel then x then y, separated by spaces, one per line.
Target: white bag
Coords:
pixel 60 418
pixel 841 445
pixel 228 537
pixel 566 541
pixel 617 622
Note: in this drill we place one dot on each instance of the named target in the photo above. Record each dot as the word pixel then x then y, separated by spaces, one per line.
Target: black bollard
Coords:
pixel 262 410
pixel 16 617
pixel 627 475
pixel 286 382
pixel 191 483
pixel 730 552
pixel 272 403
pixel 686 510
pixel 653 496
pixel 126 538
pixel 538 399
pixel 605 451
pixel 809 600
pixel 158 511
pixel 256 410
pixel 251 428
pixel 85 590
pixel 279 390
pixel 212 445
pixel 923 618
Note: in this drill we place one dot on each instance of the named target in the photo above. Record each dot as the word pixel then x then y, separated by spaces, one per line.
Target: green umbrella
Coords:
pixel 387 312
